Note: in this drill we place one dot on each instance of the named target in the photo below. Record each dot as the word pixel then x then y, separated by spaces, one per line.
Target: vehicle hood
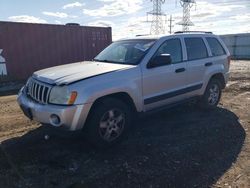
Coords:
pixel 69 73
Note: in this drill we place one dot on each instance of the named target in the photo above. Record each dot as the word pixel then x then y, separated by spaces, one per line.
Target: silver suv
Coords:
pixel 134 75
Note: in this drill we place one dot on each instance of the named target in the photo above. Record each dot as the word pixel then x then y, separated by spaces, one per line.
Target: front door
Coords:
pixel 165 84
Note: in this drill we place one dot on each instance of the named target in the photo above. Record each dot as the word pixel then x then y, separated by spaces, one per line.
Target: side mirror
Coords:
pixel 160 60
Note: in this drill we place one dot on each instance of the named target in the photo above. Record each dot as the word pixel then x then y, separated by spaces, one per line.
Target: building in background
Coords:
pixel 238 45
pixel 27 47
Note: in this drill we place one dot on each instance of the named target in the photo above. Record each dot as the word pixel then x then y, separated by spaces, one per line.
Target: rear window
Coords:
pixel 196 48
pixel 215 46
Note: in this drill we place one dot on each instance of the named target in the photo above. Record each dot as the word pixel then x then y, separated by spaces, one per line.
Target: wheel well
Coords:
pixel 124 97
pixel 220 77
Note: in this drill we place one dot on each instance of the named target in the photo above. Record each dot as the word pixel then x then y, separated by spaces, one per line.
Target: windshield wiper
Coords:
pixel 97 60
pixel 106 61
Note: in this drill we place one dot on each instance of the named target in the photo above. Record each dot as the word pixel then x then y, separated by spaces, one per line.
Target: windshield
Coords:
pixel 125 52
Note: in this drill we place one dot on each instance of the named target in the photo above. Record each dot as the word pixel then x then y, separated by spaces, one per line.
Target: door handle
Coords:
pixel 208 64
pixel 180 70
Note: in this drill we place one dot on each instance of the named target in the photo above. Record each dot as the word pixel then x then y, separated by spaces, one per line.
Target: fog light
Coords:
pixel 55 119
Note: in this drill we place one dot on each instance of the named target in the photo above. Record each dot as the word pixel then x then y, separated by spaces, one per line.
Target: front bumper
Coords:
pixel 71 117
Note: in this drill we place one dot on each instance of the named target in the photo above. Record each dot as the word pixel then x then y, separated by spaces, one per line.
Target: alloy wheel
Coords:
pixel 112 124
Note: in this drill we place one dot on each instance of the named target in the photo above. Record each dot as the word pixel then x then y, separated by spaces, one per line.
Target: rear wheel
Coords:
pixel 212 95
pixel 108 123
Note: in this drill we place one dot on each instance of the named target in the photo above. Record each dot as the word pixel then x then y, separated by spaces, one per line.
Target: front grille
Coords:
pixel 38 91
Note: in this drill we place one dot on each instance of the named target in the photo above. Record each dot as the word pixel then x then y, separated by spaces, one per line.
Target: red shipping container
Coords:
pixel 28 47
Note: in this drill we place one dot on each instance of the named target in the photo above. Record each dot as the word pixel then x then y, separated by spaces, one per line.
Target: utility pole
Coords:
pixel 186 22
pixel 170 24
pixel 157 23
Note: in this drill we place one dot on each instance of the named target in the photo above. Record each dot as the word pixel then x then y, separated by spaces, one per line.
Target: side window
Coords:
pixel 215 46
pixel 196 49
pixel 172 47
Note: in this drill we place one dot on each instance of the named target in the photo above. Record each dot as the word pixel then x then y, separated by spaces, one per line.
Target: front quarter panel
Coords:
pixel 126 80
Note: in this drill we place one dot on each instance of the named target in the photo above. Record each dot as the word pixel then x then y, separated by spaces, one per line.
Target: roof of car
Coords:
pixel 144 37
pixel 155 37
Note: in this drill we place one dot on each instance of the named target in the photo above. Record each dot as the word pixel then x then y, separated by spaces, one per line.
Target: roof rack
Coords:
pixel 207 32
pixel 141 35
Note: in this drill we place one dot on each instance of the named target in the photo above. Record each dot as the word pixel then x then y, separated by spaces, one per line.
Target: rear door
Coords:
pixel 197 63
pixel 219 55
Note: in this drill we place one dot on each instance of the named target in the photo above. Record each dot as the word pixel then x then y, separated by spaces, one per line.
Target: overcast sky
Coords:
pixel 128 17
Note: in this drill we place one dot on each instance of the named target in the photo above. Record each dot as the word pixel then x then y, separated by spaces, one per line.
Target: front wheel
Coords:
pixel 108 123
pixel 212 94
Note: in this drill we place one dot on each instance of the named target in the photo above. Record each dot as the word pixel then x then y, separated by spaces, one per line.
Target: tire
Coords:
pixel 212 95
pixel 108 123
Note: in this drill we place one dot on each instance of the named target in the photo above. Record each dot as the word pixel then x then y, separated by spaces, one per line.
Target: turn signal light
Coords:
pixel 72 98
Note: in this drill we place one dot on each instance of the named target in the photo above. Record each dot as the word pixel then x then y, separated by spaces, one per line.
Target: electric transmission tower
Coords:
pixel 186 22
pixel 157 26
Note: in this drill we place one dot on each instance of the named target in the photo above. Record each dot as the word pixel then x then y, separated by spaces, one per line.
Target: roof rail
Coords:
pixel 141 35
pixel 207 32
pixel 72 24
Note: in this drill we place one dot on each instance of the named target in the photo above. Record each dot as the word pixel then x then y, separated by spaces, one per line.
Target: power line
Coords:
pixel 218 3
pixel 146 7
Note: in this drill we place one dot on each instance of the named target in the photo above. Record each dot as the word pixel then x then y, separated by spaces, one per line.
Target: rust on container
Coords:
pixel 27 47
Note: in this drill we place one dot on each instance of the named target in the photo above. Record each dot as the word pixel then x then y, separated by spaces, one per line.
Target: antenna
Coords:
pixel 186 22
pixel 157 22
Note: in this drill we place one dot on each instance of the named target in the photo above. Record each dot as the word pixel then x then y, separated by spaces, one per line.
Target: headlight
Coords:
pixel 61 95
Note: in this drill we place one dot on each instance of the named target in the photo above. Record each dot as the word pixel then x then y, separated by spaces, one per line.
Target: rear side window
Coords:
pixel 196 48
pixel 215 46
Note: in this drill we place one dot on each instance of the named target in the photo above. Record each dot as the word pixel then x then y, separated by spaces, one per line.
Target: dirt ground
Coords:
pixel 181 147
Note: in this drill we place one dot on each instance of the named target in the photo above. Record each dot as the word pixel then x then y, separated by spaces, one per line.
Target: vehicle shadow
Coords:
pixel 181 147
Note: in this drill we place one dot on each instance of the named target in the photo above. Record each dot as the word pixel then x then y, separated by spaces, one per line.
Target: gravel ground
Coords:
pixel 181 147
